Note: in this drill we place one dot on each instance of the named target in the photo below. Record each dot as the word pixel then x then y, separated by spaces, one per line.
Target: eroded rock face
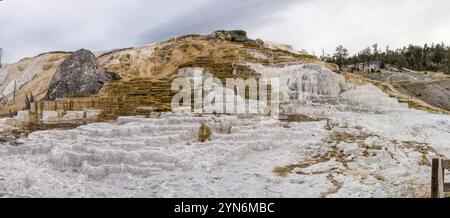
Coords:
pixel 316 81
pixel 79 74
pixel 308 83
pixel 232 35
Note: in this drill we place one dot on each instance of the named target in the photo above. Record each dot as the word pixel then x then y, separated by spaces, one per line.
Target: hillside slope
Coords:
pixel 218 53
pixel 423 90
pixel 337 134
pixel 28 76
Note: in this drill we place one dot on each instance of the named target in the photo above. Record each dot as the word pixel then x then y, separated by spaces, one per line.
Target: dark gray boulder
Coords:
pixel 230 35
pixel 79 74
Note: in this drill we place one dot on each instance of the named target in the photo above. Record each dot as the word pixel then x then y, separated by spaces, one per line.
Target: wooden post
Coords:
pixel 446 166
pixel 437 179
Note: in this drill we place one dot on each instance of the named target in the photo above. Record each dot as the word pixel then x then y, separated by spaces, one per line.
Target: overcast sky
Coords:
pixel 29 27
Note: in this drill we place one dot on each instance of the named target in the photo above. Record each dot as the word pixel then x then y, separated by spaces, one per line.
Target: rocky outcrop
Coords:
pixel 232 35
pixel 79 74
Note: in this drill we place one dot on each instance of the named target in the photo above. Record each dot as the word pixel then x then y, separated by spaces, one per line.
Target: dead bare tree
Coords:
pixel 28 101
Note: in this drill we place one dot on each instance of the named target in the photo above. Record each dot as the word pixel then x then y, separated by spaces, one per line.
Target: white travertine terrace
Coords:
pixel 364 144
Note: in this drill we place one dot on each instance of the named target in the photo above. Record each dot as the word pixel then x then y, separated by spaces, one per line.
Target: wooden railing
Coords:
pixel 438 185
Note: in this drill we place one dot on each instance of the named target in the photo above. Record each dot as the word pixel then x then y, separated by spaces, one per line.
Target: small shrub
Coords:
pixel 204 133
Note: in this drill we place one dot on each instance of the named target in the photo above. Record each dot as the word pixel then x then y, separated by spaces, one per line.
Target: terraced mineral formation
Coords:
pixel 337 135
pixel 146 74
pixel 349 154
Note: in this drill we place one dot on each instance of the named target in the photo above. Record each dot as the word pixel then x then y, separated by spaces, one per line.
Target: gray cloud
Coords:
pixel 219 14
pixel 356 24
pixel 29 27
